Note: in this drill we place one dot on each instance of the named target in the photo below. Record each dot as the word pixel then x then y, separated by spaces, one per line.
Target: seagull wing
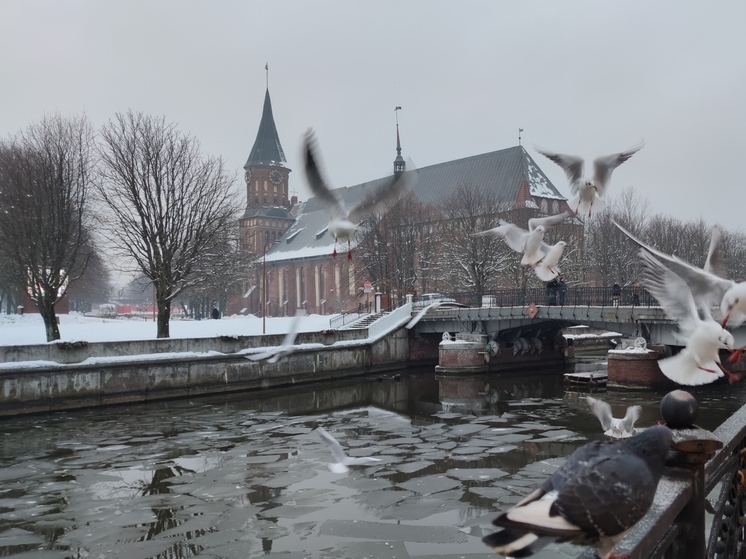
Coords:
pixel 293 332
pixel 707 288
pixel 547 222
pixel 715 263
pixel 333 444
pixel 604 165
pixel 602 410
pixel 571 164
pixel 632 415
pixel 316 182
pixel 265 355
pixel 394 187
pixel 515 236
pixel 416 318
pixel 671 291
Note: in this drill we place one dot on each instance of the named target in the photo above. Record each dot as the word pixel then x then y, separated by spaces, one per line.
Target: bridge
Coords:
pixel 632 312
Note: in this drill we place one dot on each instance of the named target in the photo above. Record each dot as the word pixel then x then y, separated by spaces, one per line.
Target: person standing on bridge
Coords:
pixel 552 288
pixel 616 292
pixel 561 290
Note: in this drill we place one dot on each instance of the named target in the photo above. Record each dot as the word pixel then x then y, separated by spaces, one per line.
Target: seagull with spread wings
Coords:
pixel 699 361
pixel 589 193
pixel 286 348
pixel 343 222
pixel 343 462
pixel 707 285
pixel 536 253
pixel 616 428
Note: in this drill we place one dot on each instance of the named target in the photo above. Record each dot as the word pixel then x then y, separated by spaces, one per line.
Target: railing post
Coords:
pixel 692 448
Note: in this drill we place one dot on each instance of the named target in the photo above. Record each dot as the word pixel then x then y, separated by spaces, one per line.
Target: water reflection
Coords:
pixel 246 475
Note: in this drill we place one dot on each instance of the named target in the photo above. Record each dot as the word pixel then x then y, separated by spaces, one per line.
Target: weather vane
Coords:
pixel 266 69
pixel 397 115
pixel 519 135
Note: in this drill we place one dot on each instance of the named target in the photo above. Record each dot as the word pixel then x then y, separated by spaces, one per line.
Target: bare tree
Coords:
pixel 45 172
pixel 166 204
pixel 472 260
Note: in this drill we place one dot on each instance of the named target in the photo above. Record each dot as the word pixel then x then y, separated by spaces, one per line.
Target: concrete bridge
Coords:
pixel 504 313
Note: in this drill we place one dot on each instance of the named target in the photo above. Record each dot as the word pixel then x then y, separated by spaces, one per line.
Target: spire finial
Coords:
pixel 399 164
pixel 266 70
pixel 519 135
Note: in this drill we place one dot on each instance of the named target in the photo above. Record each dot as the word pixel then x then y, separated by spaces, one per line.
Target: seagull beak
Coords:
pixel 725 320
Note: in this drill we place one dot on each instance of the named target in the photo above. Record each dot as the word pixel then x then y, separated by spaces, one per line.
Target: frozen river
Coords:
pixel 246 475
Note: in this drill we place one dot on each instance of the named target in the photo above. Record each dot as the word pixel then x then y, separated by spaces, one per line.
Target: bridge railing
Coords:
pixel 676 525
pixel 571 296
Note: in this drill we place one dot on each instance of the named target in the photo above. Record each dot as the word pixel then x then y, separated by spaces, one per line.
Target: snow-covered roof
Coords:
pixel 504 171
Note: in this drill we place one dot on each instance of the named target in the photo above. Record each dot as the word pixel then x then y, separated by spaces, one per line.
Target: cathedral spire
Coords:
pixel 399 163
pixel 267 149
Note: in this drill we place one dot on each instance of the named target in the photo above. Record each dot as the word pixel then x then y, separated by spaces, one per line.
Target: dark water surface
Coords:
pixel 246 475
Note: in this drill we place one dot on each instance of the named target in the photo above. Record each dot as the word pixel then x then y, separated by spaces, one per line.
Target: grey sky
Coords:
pixel 587 78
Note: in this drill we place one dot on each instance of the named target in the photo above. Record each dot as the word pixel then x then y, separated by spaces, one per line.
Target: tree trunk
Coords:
pixel 46 309
pixel 164 316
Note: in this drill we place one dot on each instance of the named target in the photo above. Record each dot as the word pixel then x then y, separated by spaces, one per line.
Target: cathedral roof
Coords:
pixel 267 149
pixel 505 171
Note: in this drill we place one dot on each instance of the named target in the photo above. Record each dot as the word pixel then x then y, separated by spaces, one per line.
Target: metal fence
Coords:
pixel 570 296
pixel 697 482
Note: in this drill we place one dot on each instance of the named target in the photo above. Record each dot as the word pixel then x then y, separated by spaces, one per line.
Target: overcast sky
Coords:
pixel 587 78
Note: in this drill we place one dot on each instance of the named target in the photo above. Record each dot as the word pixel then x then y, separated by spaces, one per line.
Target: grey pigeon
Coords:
pixel 601 491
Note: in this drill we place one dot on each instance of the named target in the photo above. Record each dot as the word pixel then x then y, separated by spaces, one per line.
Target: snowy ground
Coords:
pixel 29 328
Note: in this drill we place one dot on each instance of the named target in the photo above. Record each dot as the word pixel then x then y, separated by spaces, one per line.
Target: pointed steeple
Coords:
pixel 399 164
pixel 267 149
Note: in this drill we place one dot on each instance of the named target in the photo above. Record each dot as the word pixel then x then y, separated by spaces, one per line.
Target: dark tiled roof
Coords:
pixel 504 171
pixel 267 149
pixel 274 211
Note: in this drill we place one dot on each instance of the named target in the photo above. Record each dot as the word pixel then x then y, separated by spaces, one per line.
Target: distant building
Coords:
pixel 300 269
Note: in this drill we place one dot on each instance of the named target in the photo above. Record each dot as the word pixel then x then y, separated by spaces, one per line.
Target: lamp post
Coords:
pixel 264 286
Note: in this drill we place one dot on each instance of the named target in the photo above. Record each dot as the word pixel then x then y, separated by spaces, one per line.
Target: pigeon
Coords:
pixel 707 285
pixel 342 460
pixel 531 243
pixel 287 347
pixel 699 362
pixel 589 193
pixel 612 426
pixel 601 491
pixel 342 221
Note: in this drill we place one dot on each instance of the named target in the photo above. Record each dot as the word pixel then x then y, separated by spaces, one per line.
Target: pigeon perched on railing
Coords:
pixel 601 491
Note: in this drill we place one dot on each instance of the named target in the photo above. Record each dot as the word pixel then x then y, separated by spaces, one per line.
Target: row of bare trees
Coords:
pixel 160 207
pixel 414 247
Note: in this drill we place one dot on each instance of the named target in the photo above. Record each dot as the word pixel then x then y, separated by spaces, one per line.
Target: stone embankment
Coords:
pixel 60 376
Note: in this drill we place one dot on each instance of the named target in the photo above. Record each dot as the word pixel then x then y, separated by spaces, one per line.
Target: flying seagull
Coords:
pixel 287 347
pixel 612 426
pixel 420 315
pixel 531 243
pixel 589 193
pixel 601 491
pixel 342 460
pixel 699 361
pixel 343 221
pixel 707 285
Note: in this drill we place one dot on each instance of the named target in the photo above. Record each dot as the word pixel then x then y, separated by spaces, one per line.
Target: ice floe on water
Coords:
pixel 237 478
